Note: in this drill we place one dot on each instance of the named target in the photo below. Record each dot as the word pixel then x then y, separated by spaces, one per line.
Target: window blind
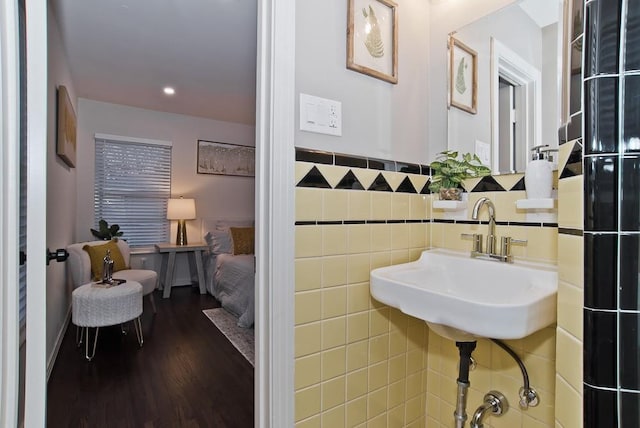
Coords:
pixel 132 185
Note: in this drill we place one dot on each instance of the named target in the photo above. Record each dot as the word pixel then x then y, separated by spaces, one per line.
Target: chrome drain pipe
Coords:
pixel 494 402
pixel 460 414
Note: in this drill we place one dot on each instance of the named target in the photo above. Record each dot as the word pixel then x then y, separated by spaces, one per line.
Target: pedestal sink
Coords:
pixel 464 299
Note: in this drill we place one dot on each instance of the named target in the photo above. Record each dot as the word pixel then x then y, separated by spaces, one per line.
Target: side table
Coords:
pixel 168 252
pixel 100 306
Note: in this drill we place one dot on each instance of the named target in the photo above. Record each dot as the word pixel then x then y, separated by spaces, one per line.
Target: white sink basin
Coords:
pixel 464 299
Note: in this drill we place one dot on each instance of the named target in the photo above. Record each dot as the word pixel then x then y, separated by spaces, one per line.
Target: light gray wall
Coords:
pixel 464 128
pixel 61 191
pixel 447 16
pixel 551 72
pixel 379 119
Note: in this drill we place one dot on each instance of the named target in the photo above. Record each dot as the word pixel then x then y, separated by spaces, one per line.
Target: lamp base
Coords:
pixel 181 237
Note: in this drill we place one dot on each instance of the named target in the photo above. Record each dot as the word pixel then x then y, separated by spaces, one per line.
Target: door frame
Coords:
pixel 509 65
pixel 36 332
pixel 274 213
pixel 9 213
pixel 275 205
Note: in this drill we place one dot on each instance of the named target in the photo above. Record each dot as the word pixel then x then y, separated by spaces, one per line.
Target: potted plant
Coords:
pixel 106 232
pixel 448 172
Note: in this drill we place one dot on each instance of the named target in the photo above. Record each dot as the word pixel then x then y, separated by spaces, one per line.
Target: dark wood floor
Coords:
pixel 186 375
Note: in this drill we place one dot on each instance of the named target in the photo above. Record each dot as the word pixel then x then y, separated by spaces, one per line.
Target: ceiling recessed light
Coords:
pixel 168 90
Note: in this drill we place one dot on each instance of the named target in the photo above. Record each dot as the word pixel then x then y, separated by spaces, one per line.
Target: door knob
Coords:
pixel 59 255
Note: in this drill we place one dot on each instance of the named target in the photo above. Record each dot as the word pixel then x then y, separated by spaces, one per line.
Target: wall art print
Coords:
pixel 372 38
pixel 66 139
pixel 225 159
pixel 463 76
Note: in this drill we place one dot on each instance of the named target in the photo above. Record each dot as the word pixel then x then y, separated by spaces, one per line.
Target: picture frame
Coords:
pixel 66 138
pixel 372 38
pixel 463 76
pixel 225 159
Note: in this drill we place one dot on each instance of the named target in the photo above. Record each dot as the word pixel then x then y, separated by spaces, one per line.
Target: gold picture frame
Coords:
pixel 372 38
pixel 66 139
pixel 463 76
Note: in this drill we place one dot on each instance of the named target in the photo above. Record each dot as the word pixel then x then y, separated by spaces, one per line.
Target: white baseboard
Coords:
pixel 56 348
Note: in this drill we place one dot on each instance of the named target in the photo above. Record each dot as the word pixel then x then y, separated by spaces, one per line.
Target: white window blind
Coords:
pixel 132 185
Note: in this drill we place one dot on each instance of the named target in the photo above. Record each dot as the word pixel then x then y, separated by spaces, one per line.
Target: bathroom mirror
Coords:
pixel 518 85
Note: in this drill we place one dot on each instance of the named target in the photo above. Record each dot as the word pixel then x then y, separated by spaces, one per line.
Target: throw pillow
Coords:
pixel 219 241
pixel 97 253
pixel 243 240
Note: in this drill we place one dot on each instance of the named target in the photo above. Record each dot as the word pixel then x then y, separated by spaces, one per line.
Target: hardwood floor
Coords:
pixel 187 374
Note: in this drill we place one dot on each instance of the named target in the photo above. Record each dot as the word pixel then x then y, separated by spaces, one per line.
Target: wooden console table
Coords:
pixel 168 252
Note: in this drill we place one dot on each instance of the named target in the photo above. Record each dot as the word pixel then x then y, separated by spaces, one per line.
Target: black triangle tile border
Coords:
pixel 488 184
pixel 573 166
pixel 350 182
pixel 380 184
pixel 519 185
pixel 425 189
pixel 406 186
pixel 314 178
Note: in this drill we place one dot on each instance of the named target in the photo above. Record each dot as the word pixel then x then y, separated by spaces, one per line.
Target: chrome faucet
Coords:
pixel 491 250
pixel 491 237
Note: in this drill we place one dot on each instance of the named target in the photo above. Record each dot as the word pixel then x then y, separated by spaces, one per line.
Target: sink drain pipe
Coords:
pixel 460 415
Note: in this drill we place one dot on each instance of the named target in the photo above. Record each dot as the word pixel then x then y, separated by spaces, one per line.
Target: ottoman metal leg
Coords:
pixel 138 326
pixel 79 335
pixel 86 344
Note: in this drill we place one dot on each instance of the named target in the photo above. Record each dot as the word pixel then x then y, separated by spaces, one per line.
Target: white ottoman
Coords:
pixel 94 305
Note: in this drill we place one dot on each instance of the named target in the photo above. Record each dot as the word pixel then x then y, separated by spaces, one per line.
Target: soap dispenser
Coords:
pixel 538 177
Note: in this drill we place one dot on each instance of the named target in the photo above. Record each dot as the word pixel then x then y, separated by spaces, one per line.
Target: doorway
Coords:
pixel 516 124
pixel 183 159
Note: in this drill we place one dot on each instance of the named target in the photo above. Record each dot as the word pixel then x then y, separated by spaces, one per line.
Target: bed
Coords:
pixel 230 266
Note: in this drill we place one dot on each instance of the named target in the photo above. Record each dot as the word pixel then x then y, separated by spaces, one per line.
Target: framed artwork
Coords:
pixel 372 38
pixel 225 159
pixel 463 76
pixel 66 139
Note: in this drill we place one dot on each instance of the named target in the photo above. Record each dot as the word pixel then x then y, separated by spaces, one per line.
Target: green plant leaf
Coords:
pixel 449 171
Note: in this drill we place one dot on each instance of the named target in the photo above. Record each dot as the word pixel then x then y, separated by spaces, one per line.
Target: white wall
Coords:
pixel 379 119
pixel 551 84
pixel 61 191
pixel 464 128
pixel 445 17
pixel 216 195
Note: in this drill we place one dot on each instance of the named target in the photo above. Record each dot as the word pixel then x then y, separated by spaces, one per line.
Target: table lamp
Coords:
pixel 181 209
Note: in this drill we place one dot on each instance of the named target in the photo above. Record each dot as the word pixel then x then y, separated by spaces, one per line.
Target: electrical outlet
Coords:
pixel 320 115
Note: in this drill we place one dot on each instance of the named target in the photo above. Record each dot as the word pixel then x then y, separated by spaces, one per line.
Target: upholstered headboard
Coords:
pixel 209 224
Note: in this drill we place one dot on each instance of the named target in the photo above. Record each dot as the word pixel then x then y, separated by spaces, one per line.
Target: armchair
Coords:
pixel 80 269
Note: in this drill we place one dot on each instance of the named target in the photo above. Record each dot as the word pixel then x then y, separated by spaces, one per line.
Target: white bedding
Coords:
pixel 230 279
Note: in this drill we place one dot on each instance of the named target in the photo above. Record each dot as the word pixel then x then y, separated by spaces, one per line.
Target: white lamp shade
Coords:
pixel 181 209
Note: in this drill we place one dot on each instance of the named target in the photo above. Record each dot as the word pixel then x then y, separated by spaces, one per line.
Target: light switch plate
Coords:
pixel 483 151
pixel 320 115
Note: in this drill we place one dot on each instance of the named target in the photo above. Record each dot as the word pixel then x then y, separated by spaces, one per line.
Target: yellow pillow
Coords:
pixel 243 240
pixel 97 253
